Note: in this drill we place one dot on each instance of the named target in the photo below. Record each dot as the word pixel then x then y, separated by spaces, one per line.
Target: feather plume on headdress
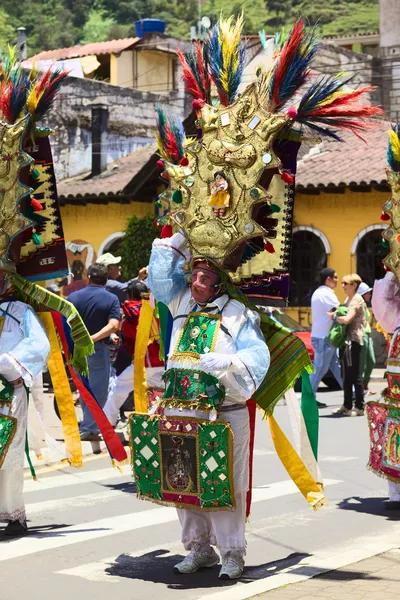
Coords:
pixel 292 66
pixel 227 54
pixel 170 136
pixel 195 71
pixel 393 151
pixel 327 106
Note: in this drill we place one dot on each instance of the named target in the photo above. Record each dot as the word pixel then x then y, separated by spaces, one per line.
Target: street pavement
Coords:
pixel 88 531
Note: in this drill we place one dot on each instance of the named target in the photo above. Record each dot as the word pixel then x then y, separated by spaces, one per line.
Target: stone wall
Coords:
pixel 131 120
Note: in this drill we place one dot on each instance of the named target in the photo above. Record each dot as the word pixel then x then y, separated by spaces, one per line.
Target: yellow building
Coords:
pixel 340 190
pixel 95 212
pixel 145 64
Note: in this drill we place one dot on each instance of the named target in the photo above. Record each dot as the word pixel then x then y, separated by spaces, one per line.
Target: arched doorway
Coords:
pixel 369 256
pixel 309 256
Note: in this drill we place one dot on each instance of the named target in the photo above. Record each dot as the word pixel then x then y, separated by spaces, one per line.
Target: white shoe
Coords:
pixel 342 410
pixel 232 566
pixel 196 560
pixel 357 412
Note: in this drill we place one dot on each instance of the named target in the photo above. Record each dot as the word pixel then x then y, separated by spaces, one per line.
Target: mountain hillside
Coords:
pixel 58 23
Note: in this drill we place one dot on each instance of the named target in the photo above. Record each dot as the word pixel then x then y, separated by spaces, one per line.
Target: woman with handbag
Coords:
pixel 350 353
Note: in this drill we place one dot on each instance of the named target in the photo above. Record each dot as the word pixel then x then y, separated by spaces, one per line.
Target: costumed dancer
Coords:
pixel 383 414
pixel 211 334
pixel 32 248
pixel 222 354
pixel 24 349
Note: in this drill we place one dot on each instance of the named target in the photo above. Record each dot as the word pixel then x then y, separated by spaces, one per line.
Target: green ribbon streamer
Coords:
pixel 309 408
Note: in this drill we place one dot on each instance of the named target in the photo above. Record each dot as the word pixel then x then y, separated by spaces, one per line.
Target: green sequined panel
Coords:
pixel 198 336
pixel 184 462
pixel 6 390
pixel 188 388
pixel 8 427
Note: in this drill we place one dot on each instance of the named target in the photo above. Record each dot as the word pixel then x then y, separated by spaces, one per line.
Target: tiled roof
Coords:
pixel 333 164
pixel 347 35
pixel 111 47
pixel 107 185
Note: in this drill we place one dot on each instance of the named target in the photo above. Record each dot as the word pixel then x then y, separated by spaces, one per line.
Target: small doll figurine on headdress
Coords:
pixel 220 197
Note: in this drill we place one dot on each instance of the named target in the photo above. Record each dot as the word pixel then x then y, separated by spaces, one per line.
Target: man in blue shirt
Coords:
pixel 113 273
pixel 100 311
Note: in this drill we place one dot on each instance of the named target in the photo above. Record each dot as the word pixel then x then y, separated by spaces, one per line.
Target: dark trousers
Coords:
pixel 351 375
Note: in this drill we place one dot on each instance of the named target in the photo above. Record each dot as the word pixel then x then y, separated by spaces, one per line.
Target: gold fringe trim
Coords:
pixel 187 405
pixel 185 505
pixel 383 475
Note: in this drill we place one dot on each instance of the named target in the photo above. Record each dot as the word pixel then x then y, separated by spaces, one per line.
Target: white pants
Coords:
pixel 122 385
pixel 394 491
pixel 12 506
pixel 223 529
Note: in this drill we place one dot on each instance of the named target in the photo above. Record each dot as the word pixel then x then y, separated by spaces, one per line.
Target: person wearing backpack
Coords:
pixel 350 353
pixel 123 382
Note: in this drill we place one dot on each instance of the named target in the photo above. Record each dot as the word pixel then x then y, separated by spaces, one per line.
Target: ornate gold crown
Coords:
pixel 12 191
pixel 392 233
pixel 237 148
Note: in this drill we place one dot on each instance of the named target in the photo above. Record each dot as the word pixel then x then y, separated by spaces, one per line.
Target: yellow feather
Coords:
pixel 33 99
pixel 395 144
pixel 229 36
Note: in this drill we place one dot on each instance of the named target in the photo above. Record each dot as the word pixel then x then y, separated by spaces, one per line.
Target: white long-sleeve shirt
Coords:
pixel 323 300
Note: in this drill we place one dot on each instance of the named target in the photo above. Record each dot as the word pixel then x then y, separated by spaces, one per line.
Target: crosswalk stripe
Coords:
pixel 83 532
pixel 77 478
pixel 321 561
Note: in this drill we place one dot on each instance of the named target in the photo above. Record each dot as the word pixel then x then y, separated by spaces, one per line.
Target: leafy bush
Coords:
pixel 136 245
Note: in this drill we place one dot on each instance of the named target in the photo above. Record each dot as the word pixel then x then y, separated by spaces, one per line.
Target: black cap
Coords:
pixel 324 274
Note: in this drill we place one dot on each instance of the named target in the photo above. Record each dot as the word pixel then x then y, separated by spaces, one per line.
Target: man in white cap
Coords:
pixel 114 272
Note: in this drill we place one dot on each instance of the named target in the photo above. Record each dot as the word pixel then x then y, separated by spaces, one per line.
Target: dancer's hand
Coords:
pixel 214 362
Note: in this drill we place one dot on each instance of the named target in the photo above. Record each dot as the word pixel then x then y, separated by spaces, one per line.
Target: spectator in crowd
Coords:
pixel 324 300
pixel 100 311
pixel 123 383
pixel 113 273
pixel 350 354
pixel 367 358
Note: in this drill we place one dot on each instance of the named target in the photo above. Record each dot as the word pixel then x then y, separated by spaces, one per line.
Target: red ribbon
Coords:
pixel 252 408
pixel 113 442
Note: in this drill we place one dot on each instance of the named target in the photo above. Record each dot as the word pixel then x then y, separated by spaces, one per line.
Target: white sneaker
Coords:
pixel 357 412
pixel 232 566
pixel 196 560
pixel 342 410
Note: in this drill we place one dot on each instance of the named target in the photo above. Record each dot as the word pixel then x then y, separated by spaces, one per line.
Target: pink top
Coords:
pixel 385 302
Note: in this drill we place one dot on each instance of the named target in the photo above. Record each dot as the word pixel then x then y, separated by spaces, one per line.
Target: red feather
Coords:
pixel 170 145
pixel 203 72
pixel 192 86
pixel 285 58
pixel 5 105
pixel 43 82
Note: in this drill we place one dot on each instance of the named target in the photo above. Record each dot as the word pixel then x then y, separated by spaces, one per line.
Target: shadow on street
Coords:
pixel 369 506
pixel 157 567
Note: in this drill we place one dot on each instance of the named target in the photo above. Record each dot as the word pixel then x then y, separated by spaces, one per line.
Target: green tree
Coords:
pixel 136 245
pixel 97 27
pixel 8 35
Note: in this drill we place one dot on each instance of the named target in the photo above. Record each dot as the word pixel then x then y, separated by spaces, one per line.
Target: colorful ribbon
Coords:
pixel 114 444
pixel 63 394
pixel 141 343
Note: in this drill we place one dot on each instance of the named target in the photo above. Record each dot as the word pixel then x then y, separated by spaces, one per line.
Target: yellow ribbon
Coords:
pixel 142 339
pixel 311 490
pixel 63 394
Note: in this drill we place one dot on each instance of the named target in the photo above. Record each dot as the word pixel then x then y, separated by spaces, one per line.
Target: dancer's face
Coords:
pixel 204 282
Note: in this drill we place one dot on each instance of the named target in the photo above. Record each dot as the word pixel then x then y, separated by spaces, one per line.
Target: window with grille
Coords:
pixel 369 256
pixel 308 258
